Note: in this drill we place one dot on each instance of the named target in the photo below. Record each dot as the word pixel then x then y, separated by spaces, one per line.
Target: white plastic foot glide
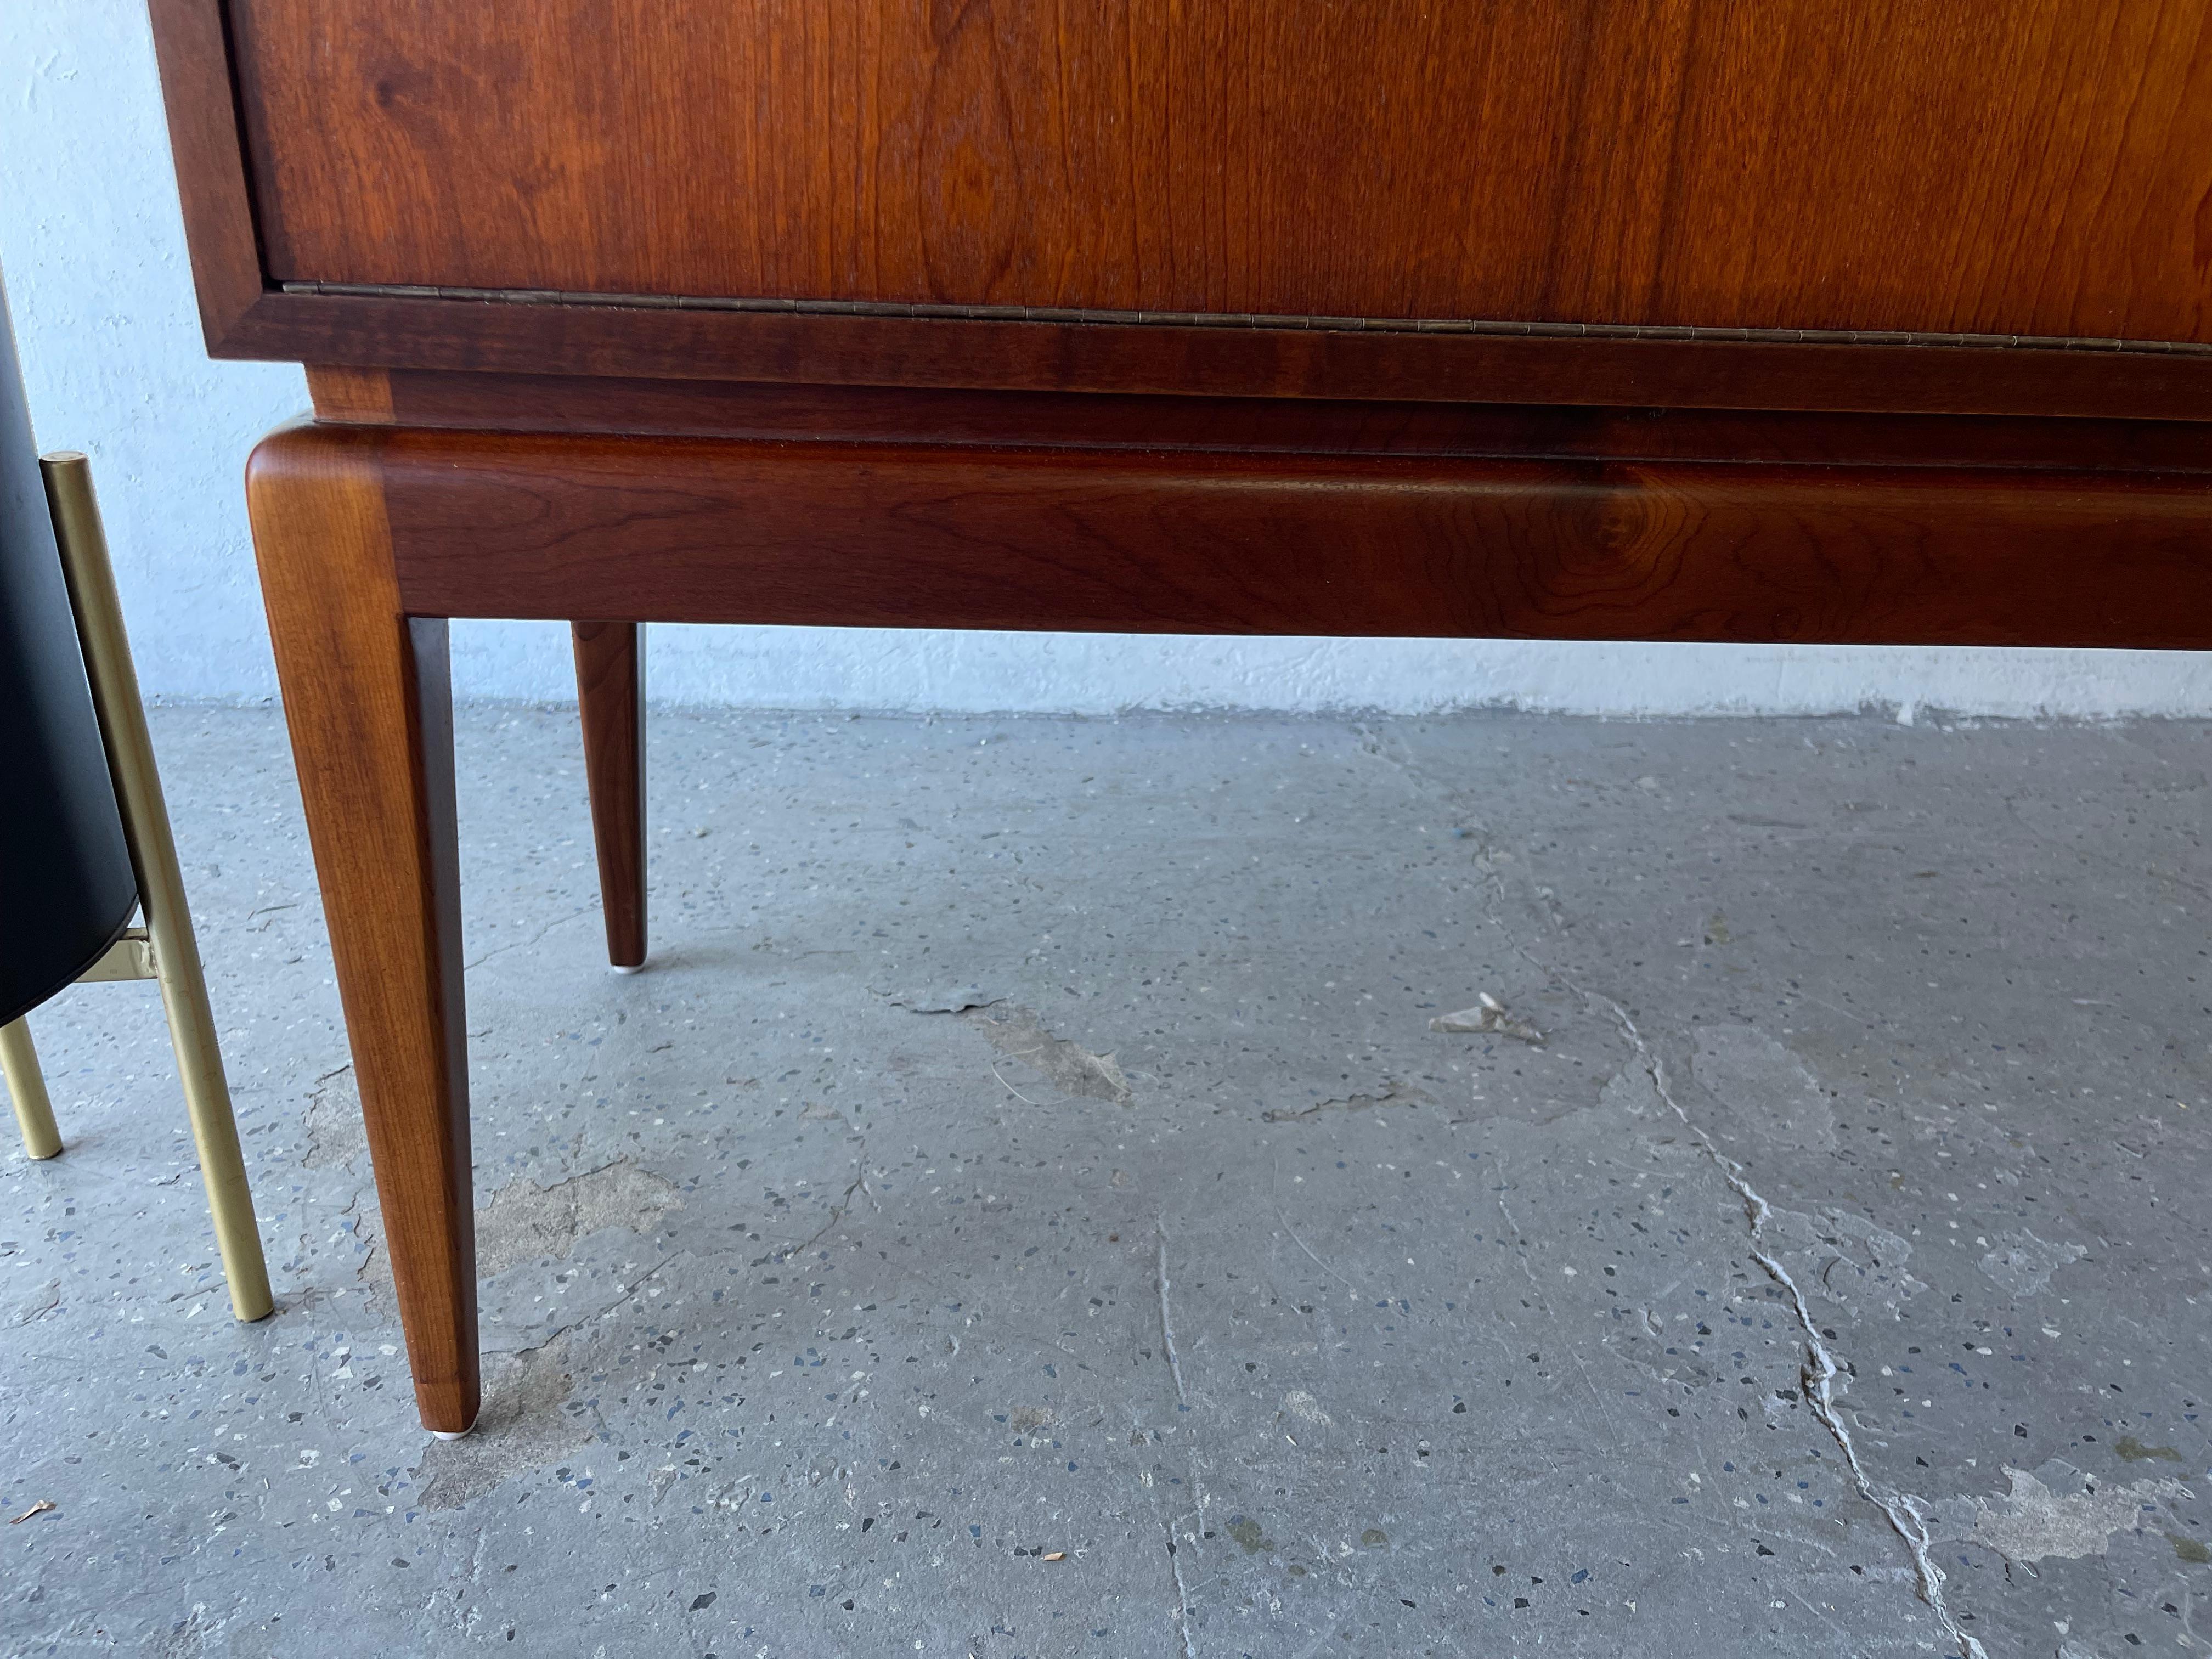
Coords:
pixel 637 968
pixel 452 1434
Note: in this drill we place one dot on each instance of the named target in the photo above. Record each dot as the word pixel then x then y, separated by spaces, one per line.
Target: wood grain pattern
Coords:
pixel 191 39
pixel 612 404
pixel 366 698
pixel 611 699
pixel 244 317
pixel 2036 166
pixel 471 337
pixel 370 533
pixel 893 536
pixel 354 395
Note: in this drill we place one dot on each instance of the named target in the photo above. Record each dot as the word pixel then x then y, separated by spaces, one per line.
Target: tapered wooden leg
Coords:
pixel 368 700
pixel 610 688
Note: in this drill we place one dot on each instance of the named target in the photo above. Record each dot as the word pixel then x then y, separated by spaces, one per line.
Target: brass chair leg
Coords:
pixel 27 1088
pixel 161 882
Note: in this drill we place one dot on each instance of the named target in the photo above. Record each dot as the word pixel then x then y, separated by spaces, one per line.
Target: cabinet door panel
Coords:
pixel 2028 167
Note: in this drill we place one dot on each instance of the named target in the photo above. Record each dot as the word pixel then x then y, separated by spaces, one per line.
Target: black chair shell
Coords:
pixel 66 886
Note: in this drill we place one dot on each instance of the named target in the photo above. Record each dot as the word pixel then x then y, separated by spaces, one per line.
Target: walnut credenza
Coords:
pixel 1652 319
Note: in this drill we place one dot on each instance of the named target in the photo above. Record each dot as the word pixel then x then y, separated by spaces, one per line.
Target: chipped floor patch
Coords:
pixel 1766 1088
pixel 2035 1522
pixel 522 1426
pixel 956 1000
pixel 520 1222
pixel 2021 1264
pixel 1489 1016
pixel 524 1222
pixel 1018 1034
pixel 1304 1408
pixel 36 1306
pixel 1853 1261
pixel 1630 1092
pixel 335 1134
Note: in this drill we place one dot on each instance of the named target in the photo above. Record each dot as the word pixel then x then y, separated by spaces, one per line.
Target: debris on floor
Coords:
pixel 1489 1015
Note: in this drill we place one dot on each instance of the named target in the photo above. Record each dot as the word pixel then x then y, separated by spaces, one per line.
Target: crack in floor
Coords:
pixel 1167 1322
pixel 1275 1181
pixel 1182 1597
pixel 1818 1372
pixel 625 1294
pixel 538 937
pixel 1175 1368
pixel 841 1209
pixel 1819 1369
pixel 1576 1126
pixel 838 1211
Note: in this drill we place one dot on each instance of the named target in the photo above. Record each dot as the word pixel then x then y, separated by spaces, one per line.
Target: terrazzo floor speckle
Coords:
pixel 1024 1208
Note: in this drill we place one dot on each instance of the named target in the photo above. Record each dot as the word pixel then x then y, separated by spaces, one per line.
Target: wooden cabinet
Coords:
pixel 701 188
pixel 2030 167
pixel 1777 320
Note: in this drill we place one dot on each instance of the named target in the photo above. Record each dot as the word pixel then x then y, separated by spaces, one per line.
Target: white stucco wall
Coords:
pixel 93 250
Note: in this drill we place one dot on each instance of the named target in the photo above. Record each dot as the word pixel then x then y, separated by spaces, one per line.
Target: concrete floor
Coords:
pixel 1025 1209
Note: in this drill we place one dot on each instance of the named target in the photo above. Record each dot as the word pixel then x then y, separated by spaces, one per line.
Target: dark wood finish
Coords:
pixel 701 409
pixel 365 395
pixel 190 37
pixel 536 525
pixel 245 316
pixel 1119 356
pixel 2036 166
pixel 366 696
pixel 610 696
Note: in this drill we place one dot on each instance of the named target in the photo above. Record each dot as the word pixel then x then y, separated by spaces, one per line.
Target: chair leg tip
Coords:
pixel 626 967
pixel 453 1434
